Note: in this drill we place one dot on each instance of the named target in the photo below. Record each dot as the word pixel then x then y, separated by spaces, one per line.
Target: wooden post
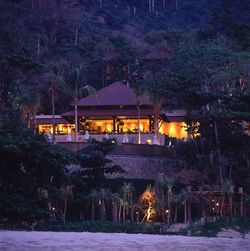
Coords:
pixel 241 201
pixel 114 126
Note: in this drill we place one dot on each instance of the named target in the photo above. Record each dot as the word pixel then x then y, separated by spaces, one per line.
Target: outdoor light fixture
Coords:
pixel 167 211
pixel 217 204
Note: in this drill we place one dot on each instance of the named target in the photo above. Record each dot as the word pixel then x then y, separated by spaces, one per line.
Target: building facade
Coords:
pixel 115 110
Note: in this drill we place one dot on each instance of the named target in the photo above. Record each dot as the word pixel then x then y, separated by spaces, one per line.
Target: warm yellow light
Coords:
pixel 109 127
pixel 149 141
pixel 172 130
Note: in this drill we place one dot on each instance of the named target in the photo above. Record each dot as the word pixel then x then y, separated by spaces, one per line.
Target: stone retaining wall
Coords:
pixel 141 167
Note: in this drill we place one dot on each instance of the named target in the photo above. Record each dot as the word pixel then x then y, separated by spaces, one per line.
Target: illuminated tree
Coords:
pixel 148 200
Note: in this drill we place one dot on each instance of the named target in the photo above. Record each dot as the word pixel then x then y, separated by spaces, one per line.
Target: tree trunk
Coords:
pixel 103 211
pixel 76 37
pixel 189 215
pixel 149 6
pixel 139 120
pixel 65 209
pixel 153 6
pixel 53 116
pixel 124 213
pixel 29 121
pixel 34 122
pixel 176 213
pixel 81 215
pixel 176 4
pixel 114 212
pixel 119 214
pixel 101 4
pixel 185 212
pixel 76 122
pixel 163 4
pixel 222 206
pixel 93 211
pixel 163 206
pixel 241 201
pixel 131 209
pixel 218 152
pixel 38 46
pixel 156 124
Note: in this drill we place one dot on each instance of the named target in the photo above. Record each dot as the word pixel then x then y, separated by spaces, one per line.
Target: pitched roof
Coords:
pixel 110 112
pixel 115 94
pixel 47 119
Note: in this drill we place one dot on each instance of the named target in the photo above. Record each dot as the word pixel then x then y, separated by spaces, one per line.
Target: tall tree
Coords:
pixel 72 81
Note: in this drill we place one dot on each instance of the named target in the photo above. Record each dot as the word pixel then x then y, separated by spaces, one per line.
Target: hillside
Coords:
pixel 37 36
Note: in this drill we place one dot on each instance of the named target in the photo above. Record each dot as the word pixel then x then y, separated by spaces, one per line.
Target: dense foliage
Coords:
pixel 205 69
pixel 28 163
pixel 35 175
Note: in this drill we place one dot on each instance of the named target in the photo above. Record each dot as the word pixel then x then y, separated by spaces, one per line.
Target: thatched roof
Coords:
pixel 116 94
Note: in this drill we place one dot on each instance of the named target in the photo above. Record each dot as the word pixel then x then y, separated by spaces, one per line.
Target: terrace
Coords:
pixel 114 113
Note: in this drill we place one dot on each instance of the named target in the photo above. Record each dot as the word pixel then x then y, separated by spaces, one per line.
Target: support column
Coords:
pixel 151 124
pixel 114 124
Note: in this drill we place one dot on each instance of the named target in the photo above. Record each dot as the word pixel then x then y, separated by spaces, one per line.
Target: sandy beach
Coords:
pixel 51 241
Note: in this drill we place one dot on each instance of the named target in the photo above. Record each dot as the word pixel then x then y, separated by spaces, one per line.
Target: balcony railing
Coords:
pixel 146 138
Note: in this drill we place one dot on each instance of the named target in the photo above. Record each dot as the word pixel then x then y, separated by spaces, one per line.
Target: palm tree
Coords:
pixel 127 195
pixel 54 79
pixel 160 186
pixel 103 195
pixel 29 103
pixel 94 198
pixel 226 192
pixel 169 184
pixel 52 91
pixel 138 87
pixel 114 198
pixel 67 196
pixel 75 79
pixel 155 88
pixel 72 85
pixel 178 198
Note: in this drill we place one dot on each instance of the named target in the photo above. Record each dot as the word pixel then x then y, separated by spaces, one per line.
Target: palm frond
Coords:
pixel 60 83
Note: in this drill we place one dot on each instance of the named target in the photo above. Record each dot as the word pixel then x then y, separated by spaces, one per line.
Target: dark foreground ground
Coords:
pixel 65 241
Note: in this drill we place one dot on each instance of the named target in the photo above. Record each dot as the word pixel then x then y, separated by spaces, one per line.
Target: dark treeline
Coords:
pixel 39 36
pixel 195 54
